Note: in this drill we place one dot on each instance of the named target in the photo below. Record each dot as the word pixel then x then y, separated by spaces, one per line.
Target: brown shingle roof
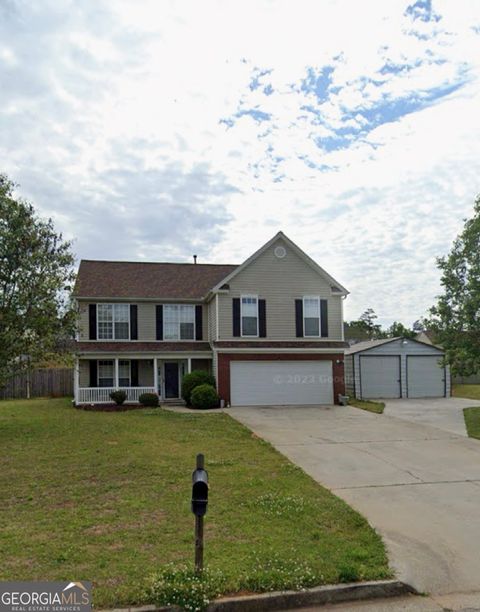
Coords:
pixel 126 279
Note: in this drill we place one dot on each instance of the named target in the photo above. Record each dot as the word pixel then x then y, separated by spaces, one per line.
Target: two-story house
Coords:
pixel 270 329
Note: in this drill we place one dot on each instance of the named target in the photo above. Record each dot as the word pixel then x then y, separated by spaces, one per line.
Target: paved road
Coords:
pixel 418 485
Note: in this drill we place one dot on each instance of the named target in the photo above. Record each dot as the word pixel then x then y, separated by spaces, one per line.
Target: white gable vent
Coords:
pixel 280 252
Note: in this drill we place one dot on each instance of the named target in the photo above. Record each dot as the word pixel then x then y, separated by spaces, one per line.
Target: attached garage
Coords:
pixel 396 368
pixel 281 383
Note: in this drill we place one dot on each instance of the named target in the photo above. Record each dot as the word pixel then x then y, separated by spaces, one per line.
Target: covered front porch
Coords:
pixel 95 377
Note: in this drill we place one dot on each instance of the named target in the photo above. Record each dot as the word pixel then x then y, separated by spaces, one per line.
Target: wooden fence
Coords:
pixel 41 382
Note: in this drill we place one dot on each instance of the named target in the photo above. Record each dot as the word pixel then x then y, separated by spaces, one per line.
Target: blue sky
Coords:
pixel 155 130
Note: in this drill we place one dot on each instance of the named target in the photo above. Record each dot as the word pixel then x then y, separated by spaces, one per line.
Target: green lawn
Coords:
pixel 468 391
pixel 106 497
pixel 472 421
pixel 377 407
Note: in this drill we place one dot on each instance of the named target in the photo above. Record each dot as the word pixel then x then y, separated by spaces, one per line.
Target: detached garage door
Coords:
pixel 425 376
pixel 380 376
pixel 280 383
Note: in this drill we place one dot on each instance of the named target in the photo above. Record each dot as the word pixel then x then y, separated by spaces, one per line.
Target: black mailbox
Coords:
pixel 199 492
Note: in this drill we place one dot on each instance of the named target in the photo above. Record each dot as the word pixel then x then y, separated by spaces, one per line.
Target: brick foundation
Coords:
pixel 224 360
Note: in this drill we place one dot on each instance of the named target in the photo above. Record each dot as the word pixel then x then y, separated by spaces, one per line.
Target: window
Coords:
pixel 105 373
pixel 124 373
pixel 249 315
pixel 113 321
pixel 178 322
pixel 311 316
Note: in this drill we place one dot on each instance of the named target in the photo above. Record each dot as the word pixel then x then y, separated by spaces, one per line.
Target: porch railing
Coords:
pixel 101 395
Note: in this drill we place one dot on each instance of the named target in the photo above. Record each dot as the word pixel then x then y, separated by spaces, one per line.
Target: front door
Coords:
pixel 171 380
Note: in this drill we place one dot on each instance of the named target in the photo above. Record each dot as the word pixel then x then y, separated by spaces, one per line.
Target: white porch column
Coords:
pixel 115 380
pixel 189 365
pixel 76 379
pixel 155 374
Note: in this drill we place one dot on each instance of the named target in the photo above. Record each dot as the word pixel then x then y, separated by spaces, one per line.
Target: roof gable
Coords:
pixel 372 344
pixel 334 284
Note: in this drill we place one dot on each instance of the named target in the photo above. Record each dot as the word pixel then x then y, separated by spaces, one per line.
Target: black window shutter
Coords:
pixel 134 372
pixel 92 321
pixel 133 322
pixel 262 319
pixel 198 322
pixel 299 318
pixel 236 316
pixel 324 318
pixel 93 373
pixel 159 317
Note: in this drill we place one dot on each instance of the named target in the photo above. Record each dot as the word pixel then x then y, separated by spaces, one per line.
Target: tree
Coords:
pixel 365 328
pixel 398 329
pixel 455 318
pixel 36 274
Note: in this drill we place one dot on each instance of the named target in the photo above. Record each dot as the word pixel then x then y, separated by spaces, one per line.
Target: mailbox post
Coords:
pixel 199 507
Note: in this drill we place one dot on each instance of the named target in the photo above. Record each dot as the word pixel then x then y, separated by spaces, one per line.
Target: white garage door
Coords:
pixel 380 376
pixel 425 376
pixel 280 383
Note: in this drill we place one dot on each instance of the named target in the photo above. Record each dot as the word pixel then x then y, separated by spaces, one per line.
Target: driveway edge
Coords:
pixel 284 600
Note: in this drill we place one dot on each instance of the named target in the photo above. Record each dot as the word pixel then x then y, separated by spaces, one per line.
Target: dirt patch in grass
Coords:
pixel 370 405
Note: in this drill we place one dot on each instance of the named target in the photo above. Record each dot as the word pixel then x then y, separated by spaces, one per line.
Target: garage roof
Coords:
pixel 369 344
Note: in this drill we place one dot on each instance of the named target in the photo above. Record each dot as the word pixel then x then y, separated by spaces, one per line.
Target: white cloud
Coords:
pixel 111 121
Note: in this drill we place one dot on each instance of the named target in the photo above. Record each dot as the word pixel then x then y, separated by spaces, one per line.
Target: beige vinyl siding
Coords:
pixel 202 364
pixel 146 317
pixel 211 320
pixel 84 372
pixel 145 373
pixel 349 375
pixel 280 282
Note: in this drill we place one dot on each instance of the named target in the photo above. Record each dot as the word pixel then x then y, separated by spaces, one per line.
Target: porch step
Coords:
pixel 173 402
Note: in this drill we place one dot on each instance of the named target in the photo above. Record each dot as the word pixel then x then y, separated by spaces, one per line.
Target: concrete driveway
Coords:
pixel 444 413
pixel 418 485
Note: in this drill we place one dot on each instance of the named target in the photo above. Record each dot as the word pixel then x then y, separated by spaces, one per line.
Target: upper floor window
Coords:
pixel 178 322
pixel 113 321
pixel 311 316
pixel 249 315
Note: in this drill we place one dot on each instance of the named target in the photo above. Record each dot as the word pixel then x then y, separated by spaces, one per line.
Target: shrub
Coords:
pixel 204 396
pixel 194 379
pixel 118 397
pixel 149 399
pixel 181 586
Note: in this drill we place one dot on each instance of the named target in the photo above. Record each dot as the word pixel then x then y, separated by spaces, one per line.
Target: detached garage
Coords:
pixel 395 368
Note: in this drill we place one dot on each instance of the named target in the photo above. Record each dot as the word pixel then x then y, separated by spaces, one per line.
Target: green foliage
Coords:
pixel 365 328
pixel 36 274
pixel 455 318
pixel 149 399
pixel 181 586
pixel 118 397
pixel 398 330
pixel 204 396
pixel 273 572
pixel 472 421
pixel 194 379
